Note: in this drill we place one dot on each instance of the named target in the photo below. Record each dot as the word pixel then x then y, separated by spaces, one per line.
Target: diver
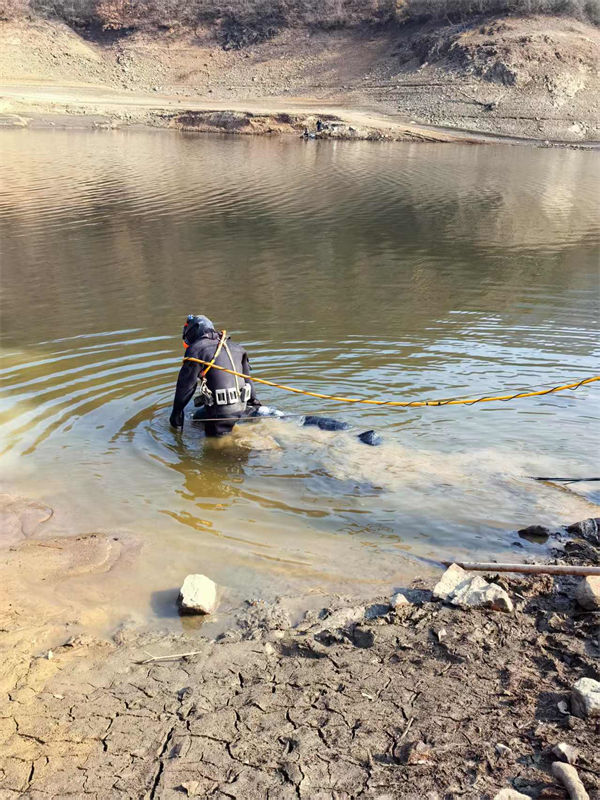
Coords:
pixel 225 398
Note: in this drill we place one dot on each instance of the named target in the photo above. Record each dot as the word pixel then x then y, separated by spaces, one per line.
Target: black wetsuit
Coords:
pixel 204 348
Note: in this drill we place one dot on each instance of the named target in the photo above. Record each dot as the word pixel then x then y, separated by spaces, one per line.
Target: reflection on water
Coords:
pixel 375 270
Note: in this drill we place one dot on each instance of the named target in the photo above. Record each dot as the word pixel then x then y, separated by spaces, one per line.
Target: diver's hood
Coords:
pixel 196 326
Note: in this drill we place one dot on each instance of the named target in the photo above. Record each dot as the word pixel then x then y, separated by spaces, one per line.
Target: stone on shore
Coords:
pixel 565 752
pixel 585 698
pixel 459 588
pixel 587 593
pixel 511 794
pixel 198 595
pixel 535 532
pixel 452 579
pixel 588 529
pixel 398 601
pixel 569 778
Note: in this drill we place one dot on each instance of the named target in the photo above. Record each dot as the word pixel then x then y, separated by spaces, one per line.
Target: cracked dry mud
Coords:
pixel 407 705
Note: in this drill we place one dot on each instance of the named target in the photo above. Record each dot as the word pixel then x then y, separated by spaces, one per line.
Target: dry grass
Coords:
pixel 241 22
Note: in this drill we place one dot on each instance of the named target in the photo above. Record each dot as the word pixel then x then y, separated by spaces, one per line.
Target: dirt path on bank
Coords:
pixel 38 105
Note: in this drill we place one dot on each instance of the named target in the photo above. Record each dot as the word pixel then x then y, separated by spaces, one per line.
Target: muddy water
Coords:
pixel 399 271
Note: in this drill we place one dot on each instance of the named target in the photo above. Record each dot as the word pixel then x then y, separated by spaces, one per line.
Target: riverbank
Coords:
pixel 533 78
pixel 345 697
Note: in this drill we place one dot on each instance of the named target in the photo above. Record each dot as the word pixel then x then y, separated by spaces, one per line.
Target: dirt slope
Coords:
pixel 537 77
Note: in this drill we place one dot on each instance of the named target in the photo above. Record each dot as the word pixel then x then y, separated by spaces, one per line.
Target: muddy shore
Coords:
pixel 351 698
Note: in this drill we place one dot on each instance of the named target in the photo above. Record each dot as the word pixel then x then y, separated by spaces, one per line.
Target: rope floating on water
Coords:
pixel 401 403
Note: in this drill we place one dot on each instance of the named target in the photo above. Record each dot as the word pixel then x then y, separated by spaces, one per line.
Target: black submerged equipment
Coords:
pixel 329 424
pixel 326 423
pixel 370 437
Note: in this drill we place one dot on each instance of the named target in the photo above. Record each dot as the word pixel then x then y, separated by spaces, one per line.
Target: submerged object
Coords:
pixel 326 423
pixel 370 437
pixel 329 424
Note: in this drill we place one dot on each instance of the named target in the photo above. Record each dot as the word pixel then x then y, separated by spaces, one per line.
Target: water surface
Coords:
pixel 376 270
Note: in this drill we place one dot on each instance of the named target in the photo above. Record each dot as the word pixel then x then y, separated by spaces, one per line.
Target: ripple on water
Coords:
pixel 373 271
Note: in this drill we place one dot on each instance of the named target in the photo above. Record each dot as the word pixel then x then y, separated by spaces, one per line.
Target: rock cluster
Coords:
pixel 460 588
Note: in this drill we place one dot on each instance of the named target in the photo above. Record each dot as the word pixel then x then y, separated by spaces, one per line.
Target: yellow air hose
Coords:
pixel 401 403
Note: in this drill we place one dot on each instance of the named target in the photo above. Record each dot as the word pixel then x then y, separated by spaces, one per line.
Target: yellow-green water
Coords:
pixel 403 271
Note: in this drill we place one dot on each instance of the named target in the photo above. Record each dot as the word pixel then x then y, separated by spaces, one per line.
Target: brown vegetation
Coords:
pixel 242 22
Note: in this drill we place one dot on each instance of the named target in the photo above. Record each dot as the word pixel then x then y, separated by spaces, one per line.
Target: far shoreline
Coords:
pixel 247 119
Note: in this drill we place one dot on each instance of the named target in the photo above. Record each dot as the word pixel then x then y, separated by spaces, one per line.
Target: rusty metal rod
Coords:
pixel 526 569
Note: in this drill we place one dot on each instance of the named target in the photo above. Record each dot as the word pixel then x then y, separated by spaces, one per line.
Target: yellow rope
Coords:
pixel 401 403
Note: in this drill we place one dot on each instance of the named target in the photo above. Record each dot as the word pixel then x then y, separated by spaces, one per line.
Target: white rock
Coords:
pixel 511 794
pixel 588 593
pixel 469 593
pixel 585 698
pixel 198 595
pixel 497 598
pixel 452 579
pixel 565 752
pixel 399 600
pixel 478 593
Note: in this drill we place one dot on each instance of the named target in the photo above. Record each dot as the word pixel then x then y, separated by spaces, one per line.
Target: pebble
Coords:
pixel 585 698
pixel 198 595
pixel 269 649
pixel 587 593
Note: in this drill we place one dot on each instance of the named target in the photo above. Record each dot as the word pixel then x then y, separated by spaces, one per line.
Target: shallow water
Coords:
pixel 375 270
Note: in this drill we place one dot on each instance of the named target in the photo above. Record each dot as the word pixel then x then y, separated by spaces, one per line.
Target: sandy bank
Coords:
pixel 532 78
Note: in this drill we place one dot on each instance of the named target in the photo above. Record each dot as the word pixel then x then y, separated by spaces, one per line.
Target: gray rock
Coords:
pixel 565 752
pixel 511 794
pixel 198 595
pixel 568 776
pixel 469 594
pixel 343 618
pixel 588 529
pixel 497 598
pixel 535 533
pixel 587 593
pixel 467 591
pixel 585 698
